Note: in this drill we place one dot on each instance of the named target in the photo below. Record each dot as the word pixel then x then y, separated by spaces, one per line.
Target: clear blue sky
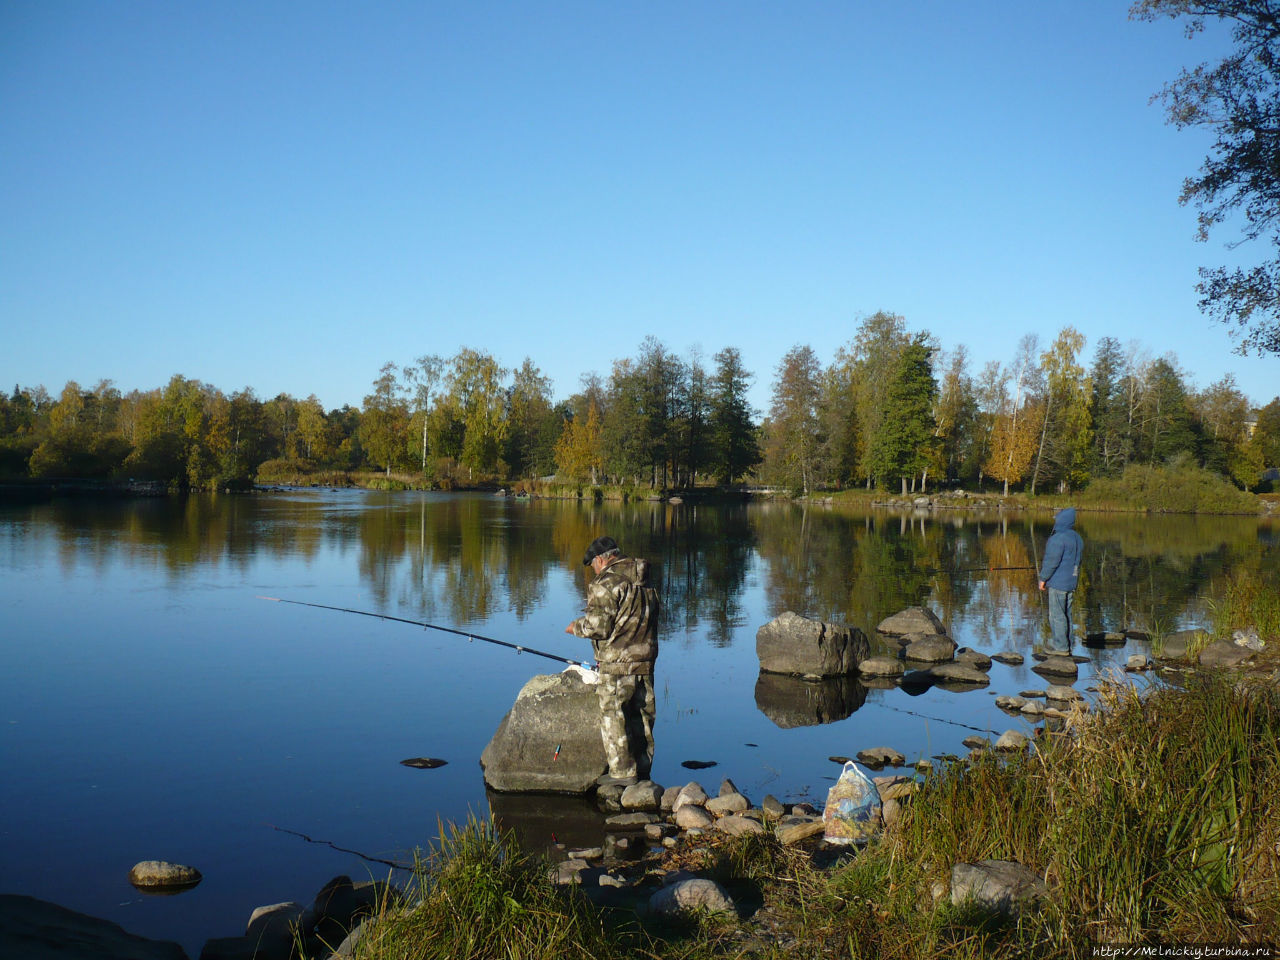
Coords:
pixel 287 195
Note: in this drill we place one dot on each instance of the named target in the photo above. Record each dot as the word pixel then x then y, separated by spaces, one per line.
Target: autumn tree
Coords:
pixel 1222 410
pixel 384 421
pixel 1015 424
pixel 794 429
pixel 955 415
pixel 578 450
pixel 476 394
pixel 1066 435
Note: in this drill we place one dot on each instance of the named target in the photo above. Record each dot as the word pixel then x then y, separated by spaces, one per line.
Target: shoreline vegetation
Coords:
pixel 1153 818
pixel 1177 487
pixel 891 412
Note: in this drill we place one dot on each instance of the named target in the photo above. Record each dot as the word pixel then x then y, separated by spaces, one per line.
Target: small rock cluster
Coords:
pixel 645 816
pixel 927 655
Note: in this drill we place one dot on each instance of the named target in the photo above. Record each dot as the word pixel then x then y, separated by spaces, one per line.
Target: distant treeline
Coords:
pixel 891 410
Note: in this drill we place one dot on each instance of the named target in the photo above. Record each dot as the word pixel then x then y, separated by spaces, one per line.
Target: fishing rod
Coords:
pixel 518 648
pixel 988 569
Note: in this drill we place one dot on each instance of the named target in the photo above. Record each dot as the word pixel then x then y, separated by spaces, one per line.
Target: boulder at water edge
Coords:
pixel 559 710
pixel 38 930
pixel 802 647
pixel 1177 645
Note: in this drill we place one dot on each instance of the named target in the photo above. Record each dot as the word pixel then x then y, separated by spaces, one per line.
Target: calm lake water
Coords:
pixel 152 707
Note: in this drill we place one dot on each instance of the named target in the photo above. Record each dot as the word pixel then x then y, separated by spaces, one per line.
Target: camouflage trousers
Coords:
pixel 627 709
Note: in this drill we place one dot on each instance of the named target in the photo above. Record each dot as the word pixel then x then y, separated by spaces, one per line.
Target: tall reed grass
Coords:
pixel 1153 819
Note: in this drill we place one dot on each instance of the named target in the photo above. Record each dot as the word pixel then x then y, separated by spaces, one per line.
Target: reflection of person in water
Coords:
pixel 1059 574
pixel 622 623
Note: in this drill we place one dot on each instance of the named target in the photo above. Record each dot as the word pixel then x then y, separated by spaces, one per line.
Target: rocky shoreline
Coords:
pixel 652 833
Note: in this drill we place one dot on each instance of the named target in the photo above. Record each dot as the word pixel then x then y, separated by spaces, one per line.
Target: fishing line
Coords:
pixel 518 648
pixel 330 843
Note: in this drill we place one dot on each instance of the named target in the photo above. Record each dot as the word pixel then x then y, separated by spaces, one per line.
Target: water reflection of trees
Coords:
pixel 463 559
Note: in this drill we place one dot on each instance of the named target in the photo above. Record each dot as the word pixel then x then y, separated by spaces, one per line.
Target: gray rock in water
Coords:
pixel 880 756
pixel 772 806
pixel 1222 654
pixel 797 645
pixel 958 673
pixel 935 649
pixel 551 710
pixel 1008 656
pixel 161 873
pixel 912 620
pixel 727 787
pixel 973 658
pixel 880 667
pixel 630 821
pixel 1011 741
pixel 1137 663
pixel 33 929
pixel 1032 708
pixel 275 928
pixel 975 743
pixel 1001 886
pixel 688 898
pixel 1061 693
pixel 1005 702
pixel 1058 667
pixel 1106 638
pixel 645 795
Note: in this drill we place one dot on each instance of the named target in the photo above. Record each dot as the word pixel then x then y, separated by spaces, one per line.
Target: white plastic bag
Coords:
pixel 852 814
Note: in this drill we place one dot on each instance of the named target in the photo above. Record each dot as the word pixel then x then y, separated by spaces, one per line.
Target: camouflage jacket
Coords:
pixel 622 618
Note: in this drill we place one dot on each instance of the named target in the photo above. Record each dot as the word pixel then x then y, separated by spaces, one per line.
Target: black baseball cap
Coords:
pixel 599 547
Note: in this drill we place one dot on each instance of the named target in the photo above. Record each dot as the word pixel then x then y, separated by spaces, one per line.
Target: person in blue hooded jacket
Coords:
pixel 1059 574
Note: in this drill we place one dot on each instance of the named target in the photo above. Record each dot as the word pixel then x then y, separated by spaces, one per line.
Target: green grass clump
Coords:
pixel 1157 819
pixel 1248 601
pixel 1178 486
pixel 478 896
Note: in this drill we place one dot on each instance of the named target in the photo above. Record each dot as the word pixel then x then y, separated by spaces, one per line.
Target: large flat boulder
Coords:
pixel 1224 654
pixel 912 620
pixel 38 930
pixel 802 647
pixel 932 649
pixel 958 673
pixel 552 711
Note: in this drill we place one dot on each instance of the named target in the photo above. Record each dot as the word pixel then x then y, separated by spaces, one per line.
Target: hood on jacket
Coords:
pixel 635 569
pixel 1065 520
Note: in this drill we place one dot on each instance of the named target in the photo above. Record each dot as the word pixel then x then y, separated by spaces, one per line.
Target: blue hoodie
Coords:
pixel 1060 568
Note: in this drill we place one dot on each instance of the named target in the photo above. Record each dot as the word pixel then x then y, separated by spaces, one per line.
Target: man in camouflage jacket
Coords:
pixel 622 623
